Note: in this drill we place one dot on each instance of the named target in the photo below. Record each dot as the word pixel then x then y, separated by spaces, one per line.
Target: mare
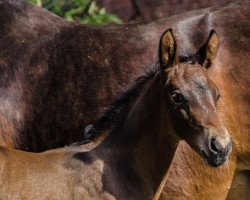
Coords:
pixel 48 64
pixel 175 101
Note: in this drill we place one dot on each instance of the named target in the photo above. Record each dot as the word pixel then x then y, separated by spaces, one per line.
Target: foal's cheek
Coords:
pixel 180 122
pixel 184 114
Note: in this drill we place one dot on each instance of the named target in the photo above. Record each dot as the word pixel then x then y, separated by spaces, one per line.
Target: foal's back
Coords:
pixel 53 174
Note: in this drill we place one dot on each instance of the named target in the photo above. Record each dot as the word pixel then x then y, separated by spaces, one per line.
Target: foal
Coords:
pixel 173 103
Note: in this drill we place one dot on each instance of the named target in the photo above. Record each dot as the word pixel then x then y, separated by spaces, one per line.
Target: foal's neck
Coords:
pixel 147 136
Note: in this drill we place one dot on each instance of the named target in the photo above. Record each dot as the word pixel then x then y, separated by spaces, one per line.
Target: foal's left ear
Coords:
pixel 207 53
pixel 167 49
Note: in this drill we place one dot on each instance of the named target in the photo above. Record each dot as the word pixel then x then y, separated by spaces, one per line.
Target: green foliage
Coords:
pixel 82 11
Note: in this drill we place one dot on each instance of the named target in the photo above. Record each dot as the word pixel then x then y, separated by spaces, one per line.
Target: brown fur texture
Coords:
pixel 134 158
pixel 48 64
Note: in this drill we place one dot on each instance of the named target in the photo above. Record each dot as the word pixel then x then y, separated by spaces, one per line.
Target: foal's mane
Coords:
pixel 115 114
pixel 124 102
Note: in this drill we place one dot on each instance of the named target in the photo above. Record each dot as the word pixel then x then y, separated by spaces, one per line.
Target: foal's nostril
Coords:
pixel 215 146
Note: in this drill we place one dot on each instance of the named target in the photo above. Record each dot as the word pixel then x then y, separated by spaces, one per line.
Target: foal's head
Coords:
pixel 192 97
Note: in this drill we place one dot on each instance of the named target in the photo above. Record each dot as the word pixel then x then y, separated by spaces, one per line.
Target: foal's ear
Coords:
pixel 167 49
pixel 207 53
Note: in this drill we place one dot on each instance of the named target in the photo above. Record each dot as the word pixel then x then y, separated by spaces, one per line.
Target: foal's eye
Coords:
pixel 177 97
pixel 218 97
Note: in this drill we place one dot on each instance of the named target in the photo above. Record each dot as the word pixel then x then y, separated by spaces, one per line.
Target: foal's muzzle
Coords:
pixel 216 154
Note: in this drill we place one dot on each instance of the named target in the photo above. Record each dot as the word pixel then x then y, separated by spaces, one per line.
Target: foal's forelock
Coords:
pixel 175 69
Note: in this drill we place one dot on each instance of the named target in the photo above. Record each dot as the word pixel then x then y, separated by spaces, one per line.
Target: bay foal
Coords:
pixel 177 101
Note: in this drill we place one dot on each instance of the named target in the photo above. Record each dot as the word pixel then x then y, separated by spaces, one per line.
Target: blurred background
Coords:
pixel 100 12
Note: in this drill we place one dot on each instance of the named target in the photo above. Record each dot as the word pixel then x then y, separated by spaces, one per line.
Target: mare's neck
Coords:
pixel 146 136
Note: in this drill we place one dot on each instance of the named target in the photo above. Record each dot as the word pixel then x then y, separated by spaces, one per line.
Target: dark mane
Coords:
pixel 124 101
pixel 118 110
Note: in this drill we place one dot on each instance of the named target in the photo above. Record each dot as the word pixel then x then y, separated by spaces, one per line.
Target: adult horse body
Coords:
pixel 148 122
pixel 46 71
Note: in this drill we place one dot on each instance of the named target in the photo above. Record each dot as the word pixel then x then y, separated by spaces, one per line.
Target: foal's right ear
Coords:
pixel 207 53
pixel 167 49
